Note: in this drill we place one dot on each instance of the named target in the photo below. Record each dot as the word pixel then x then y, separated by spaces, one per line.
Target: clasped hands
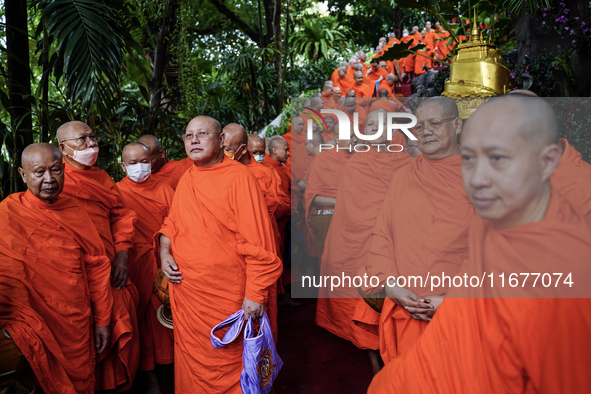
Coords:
pixel 419 308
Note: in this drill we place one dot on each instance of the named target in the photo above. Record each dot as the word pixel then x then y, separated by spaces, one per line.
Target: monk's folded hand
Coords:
pixel 406 298
pixel 101 338
pixel 119 270
pixel 252 309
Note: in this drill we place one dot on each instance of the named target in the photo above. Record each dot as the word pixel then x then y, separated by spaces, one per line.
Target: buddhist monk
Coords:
pixel 350 93
pixel 409 64
pixel 151 201
pixel 94 189
pixel 304 156
pixel 423 63
pixel 361 191
pixel 489 345
pixel 55 295
pixel 353 61
pixel 164 169
pixel 426 238
pixel 217 250
pixel 360 88
pixel 328 98
pixel 310 116
pixel 322 187
pixel 336 93
pixel 351 107
pixel 412 148
pixel 379 52
pixel 343 80
pixel 335 73
pixel 236 148
pixel 441 41
pixel 376 73
pixel 393 40
pixel 330 122
pixel 383 103
pixel 362 59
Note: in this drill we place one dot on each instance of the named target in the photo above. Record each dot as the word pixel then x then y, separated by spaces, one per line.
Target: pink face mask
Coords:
pixel 86 156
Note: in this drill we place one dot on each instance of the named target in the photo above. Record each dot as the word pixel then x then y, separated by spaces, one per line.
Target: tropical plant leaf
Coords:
pixel 399 51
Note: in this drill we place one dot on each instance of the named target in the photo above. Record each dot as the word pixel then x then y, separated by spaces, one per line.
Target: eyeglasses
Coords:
pixel 83 139
pixel 433 124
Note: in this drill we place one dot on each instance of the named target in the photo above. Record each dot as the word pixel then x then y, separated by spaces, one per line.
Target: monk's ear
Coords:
pixel 22 172
pixel 62 148
pixel 222 138
pixel 458 124
pixel 550 157
pixel 163 152
pixel 122 164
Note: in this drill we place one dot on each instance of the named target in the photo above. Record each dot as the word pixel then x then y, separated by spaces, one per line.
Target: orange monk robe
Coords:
pixel 441 43
pixel 504 345
pixel 393 41
pixel 351 73
pixel 172 171
pixel 375 75
pixel 307 116
pixel 572 179
pixel 301 162
pixel 430 47
pixel 386 105
pixel 222 241
pixel 54 289
pixel 334 76
pixel 361 191
pixel 414 236
pixel 323 180
pixel 100 197
pixel 345 84
pixel 364 90
pixel 327 136
pixel 408 61
pixel 361 114
pixel 421 61
pixel 330 102
pixel 150 200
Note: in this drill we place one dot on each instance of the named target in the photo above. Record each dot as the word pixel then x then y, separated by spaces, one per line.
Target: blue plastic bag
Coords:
pixel 259 356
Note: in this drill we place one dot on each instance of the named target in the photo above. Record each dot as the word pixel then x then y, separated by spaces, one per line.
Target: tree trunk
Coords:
pixel 278 54
pixel 19 81
pixel 397 22
pixel 161 54
pixel 45 132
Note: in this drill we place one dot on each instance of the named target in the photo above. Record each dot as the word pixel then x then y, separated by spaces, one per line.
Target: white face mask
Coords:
pixel 259 158
pixel 138 172
pixel 404 34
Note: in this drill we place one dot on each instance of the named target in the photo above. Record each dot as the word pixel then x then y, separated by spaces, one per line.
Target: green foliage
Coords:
pixel 540 72
pixel 575 123
pixel 438 82
pixel 90 43
pixel 320 37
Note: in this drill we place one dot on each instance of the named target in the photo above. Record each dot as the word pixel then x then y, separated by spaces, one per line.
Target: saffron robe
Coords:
pixel 54 289
pixel 414 236
pixel 99 196
pixel 222 242
pixel 151 201
pixel 172 171
pixel 492 345
pixel 361 191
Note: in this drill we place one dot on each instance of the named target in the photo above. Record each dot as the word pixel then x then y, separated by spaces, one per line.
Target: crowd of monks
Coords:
pixel 79 253
pixel 358 79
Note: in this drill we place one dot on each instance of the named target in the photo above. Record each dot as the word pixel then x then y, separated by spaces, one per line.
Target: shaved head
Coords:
pixel 67 130
pixel 157 154
pixel 448 106
pixel 279 149
pixel 510 149
pixel 373 122
pixel 134 149
pixel 523 92
pixel 297 124
pixel 236 141
pixel 316 103
pixel 351 93
pixel 256 144
pixel 383 92
pixel 203 141
pixel 43 171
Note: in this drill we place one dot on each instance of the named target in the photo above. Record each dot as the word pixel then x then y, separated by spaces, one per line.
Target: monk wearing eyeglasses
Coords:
pixel 413 235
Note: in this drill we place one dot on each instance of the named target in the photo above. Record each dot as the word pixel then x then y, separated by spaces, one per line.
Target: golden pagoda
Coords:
pixel 477 70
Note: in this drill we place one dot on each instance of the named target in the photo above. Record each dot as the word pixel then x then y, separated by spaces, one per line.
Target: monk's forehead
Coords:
pixel 430 110
pixel 201 124
pixel 73 130
pixel 135 152
pixel 40 158
pixel 494 126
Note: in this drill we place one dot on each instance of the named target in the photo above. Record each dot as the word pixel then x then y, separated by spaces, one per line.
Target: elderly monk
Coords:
pixel 361 89
pixel 490 345
pixel 150 200
pixel 310 116
pixel 236 148
pixel 336 93
pixel 330 123
pixel 322 187
pixel 388 84
pixel 413 235
pixel 363 184
pixel 335 73
pixel 393 40
pixel 94 189
pixel 55 295
pixel 217 250
pixel 163 169
pixel 376 73
pixel 362 59
pixel 296 133
pixel 441 40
